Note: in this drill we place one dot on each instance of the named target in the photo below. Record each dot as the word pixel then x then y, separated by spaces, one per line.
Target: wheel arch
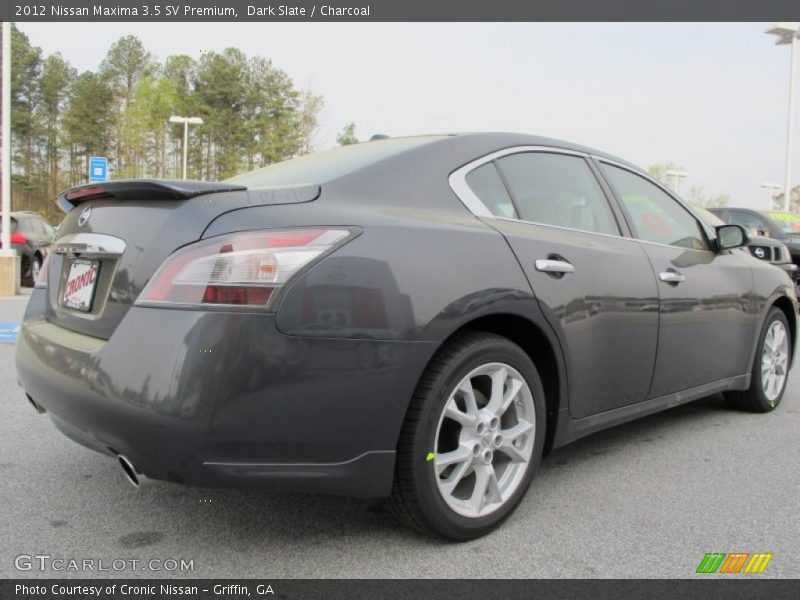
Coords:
pixel 544 352
pixel 789 310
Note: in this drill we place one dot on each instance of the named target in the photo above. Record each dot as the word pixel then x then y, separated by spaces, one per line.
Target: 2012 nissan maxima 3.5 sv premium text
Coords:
pixel 419 319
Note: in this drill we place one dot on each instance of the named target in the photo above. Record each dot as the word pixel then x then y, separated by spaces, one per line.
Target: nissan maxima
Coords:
pixel 418 319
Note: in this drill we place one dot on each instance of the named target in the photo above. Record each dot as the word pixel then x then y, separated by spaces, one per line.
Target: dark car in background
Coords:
pixel 31 237
pixel 777 225
pixel 420 319
pixel 763 248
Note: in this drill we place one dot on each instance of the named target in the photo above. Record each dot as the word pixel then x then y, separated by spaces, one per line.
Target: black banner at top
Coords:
pixel 399 10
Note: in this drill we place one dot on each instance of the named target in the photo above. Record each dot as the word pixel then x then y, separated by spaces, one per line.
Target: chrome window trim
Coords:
pixel 458 183
pixel 458 178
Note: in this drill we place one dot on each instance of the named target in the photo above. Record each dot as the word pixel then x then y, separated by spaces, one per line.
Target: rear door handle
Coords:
pixel 547 265
pixel 671 276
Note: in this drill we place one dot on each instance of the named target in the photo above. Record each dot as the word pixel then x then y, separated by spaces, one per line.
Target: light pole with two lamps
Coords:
pixel 186 121
pixel 675 177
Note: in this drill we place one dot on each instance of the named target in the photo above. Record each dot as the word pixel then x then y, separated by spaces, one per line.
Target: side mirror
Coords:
pixel 730 236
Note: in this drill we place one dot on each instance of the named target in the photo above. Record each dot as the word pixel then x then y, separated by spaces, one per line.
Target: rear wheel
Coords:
pixel 35 269
pixel 472 439
pixel 770 368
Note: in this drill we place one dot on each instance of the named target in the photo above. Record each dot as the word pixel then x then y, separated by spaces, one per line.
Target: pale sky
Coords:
pixel 711 97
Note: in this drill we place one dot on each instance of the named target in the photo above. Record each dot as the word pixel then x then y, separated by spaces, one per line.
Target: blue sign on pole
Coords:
pixel 98 168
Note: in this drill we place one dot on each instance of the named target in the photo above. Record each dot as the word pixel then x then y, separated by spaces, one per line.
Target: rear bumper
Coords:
pixel 224 399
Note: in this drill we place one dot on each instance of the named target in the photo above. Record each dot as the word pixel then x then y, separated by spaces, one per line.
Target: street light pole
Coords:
pixel 186 122
pixel 787 35
pixel 787 185
pixel 771 189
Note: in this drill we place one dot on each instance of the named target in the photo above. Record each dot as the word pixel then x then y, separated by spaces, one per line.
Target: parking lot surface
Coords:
pixel 646 499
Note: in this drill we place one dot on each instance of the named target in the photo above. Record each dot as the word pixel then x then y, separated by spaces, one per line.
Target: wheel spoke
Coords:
pixel 469 398
pixel 449 484
pixel 769 342
pixel 520 429
pixel 771 384
pixel 780 337
pixel 493 488
pixel 453 412
pixel 462 454
pixel 499 378
pixel 498 405
pixel 485 485
pixel 511 451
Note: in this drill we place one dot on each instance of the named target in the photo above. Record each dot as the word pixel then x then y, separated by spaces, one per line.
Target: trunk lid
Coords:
pixel 116 235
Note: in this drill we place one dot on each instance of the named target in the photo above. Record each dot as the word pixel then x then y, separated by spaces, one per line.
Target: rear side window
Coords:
pixel 557 189
pixel 486 184
pixel 657 216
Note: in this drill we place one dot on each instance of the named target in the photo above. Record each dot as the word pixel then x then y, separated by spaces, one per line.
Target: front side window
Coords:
pixel 557 189
pixel 656 216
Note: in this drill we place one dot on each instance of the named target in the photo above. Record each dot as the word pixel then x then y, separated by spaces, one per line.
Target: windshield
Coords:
pixel 788 222
pixel 330 164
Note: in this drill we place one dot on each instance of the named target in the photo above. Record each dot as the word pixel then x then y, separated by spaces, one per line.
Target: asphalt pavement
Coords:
pixel 646 499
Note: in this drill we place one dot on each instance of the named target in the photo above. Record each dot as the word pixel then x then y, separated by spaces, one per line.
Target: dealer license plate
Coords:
pixel 79 288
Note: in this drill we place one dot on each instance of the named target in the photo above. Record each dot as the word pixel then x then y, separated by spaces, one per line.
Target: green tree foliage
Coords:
pixel 347 135
pixel 697 196
pixel 253 116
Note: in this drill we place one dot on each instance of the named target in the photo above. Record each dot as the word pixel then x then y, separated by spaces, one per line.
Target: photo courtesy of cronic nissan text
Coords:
pixel 380 299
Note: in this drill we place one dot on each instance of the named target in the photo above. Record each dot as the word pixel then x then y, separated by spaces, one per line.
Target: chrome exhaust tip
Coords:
pixel 132 474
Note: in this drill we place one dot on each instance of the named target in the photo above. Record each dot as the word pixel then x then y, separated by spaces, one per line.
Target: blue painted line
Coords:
pixel 9 332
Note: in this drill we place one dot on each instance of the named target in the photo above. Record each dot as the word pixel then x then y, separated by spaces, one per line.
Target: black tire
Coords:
pixel 415 498
pixel 754 398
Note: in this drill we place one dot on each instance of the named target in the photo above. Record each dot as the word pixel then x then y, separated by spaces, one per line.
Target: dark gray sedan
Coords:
pixel 419 319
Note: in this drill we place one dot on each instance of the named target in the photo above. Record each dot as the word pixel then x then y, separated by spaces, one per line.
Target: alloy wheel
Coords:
pixel 774 360
pixel 35 269
pixel 484 440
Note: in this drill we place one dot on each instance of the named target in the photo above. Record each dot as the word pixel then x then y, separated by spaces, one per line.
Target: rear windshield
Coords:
pixel 330 164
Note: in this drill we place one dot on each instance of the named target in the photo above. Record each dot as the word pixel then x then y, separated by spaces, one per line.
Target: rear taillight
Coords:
pixel 240 269
pixel 19 238
pixel 41 280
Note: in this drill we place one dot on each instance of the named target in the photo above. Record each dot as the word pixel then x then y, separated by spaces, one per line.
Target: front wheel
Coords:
pixel 472 439
pixel 770 368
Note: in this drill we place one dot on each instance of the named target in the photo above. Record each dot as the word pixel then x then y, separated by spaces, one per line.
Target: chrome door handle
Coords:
pixel 547 265
pixel 671 277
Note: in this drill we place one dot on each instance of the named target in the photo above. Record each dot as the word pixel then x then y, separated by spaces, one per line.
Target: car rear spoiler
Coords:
pixel 142 189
